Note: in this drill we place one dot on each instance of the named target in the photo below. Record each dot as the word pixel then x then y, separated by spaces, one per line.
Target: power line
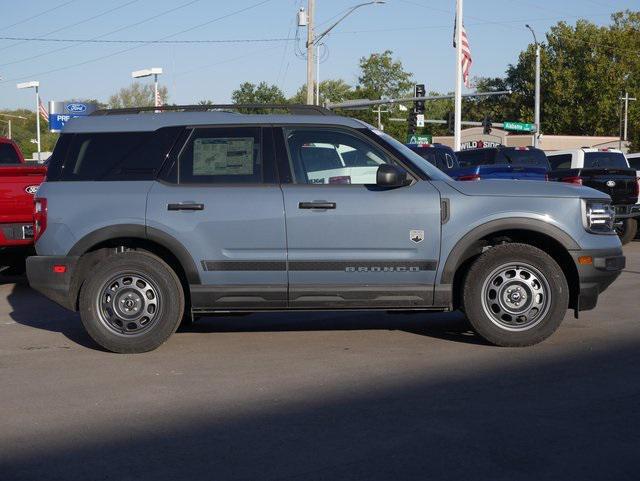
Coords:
pixel 113 54
pixel 84 20
pixel 88 40
pixel 44 12
pixel 119 29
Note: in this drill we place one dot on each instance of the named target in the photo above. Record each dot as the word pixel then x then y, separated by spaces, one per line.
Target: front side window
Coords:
pixel 324 156
pixel 635 163
pixel 222 156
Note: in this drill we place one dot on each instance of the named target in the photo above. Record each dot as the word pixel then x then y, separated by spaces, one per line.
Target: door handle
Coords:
pixel 185 206
pixel 320 204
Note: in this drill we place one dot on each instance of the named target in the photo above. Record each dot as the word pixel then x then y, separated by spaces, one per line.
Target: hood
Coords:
pixel 526 188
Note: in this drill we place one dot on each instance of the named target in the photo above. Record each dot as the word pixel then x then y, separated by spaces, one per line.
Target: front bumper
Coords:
pixel 57 286
pixel 595 277
pixel 626 211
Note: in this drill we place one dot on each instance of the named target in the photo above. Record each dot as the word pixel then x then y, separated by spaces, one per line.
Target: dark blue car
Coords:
pixel 520 163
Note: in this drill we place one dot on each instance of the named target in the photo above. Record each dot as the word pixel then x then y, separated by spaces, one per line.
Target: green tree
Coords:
pixel 382 76
pixel 137 95
pixel 23 131
pixel 331 90
pixel 262 93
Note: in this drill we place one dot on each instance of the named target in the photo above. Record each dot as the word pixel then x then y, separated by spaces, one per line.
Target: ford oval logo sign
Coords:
pixel 76 108
pixel 611 183
pixel 31 189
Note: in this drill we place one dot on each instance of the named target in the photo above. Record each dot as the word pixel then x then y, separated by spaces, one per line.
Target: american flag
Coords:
pixel 43 111
pixel 466 54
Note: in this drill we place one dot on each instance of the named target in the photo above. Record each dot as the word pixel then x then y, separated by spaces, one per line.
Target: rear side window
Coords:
pixel 635 163
pixel 562 161
pixel 611 160
pixel 472 158
pixel 8 155
pixel 526 157
pixel 222 156
pixel 110 156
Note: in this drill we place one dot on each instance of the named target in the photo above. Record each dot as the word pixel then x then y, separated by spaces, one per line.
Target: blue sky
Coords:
pixel 418 31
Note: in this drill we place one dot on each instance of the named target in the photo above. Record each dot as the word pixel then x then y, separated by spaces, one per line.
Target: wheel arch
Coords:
pixel 105 241
pixel 551 239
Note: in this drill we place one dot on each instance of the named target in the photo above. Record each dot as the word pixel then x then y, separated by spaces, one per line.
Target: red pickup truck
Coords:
pixel 18 185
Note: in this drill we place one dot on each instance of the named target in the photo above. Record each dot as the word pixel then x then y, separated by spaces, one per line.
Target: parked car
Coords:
pixel 442 156
pixel 199 212
pixel 520 163
pixel 18 184
pixel 608 171
pixel 634 163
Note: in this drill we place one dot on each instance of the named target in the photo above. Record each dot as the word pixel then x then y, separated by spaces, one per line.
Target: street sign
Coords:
pixel 519 126
pixel 61 112
pixel 420 120
pixel 419 139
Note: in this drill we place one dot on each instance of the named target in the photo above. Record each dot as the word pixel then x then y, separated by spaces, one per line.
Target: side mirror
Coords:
pixel 392 176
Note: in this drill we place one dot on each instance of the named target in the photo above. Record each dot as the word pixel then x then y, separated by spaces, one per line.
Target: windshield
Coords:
pixel 432 171
pixel 610 160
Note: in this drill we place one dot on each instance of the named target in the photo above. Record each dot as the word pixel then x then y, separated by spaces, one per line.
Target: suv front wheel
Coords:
pixel 515 295
pixel 132 302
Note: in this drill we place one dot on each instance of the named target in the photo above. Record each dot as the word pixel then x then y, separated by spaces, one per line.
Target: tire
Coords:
pixel 132 302
pixel 627 232
pixel 515 295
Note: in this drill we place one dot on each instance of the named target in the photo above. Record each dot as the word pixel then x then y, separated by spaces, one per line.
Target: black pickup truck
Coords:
pixel 608 171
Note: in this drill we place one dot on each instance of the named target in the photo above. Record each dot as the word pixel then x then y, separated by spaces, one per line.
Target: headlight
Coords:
pixel 597 216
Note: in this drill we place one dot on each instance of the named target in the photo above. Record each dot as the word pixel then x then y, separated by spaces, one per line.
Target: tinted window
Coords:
pixel 474 157
pixel 614 160
pixel 110 156
pixel 427 153
pixel 562 161
pixel 222 156
pixel 635 163
pixel 526 157
pixel 8 155
pixel 324 156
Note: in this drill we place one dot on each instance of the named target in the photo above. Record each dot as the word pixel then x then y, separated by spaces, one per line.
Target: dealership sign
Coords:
pixel 61 112
pixel 479 144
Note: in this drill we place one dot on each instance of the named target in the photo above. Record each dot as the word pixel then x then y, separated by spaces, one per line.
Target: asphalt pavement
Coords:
pixel 321 396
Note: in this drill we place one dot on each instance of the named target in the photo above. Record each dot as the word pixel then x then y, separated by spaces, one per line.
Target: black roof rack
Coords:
pixel 299 109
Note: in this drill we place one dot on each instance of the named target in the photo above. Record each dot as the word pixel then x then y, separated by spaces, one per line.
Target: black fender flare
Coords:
pixel 138 231
pixel 457 254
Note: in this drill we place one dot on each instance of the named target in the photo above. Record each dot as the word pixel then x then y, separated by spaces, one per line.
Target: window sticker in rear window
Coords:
pixel 223 156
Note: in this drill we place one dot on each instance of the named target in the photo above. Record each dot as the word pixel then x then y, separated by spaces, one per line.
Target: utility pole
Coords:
pixel 457 104
pixel 536 134
pixel 310 52
pixel 626 100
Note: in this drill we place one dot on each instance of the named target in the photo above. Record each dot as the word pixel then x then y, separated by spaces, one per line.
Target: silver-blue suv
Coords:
pixel 147 219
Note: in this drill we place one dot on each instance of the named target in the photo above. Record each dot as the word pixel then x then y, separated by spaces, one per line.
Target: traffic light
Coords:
pixel 418 105
pixel 450 122
pixel 413 122
pixel 486 125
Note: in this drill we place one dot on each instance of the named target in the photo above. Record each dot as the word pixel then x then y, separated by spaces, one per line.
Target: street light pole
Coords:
pixel 310 51
pixel 626 100
pixel 148 72
pixel 314 41
pixel 536 134
pixel 34 84
pixel 457 102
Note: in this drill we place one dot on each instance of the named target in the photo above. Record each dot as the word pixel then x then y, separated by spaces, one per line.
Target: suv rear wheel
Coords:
pixel 515 295
pixel 132 302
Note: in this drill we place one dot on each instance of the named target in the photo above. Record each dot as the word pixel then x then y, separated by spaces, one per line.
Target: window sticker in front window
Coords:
pixel 223 156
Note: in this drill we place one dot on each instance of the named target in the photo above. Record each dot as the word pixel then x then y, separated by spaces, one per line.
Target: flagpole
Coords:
pixel 457 107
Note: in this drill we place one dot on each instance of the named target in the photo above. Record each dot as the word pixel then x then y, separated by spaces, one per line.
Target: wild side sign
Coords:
pixel 479 144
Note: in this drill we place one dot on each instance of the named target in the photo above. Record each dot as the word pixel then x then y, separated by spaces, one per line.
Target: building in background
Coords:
pixel 475 138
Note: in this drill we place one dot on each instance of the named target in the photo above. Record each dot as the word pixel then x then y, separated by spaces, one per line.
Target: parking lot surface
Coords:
pixel 316 396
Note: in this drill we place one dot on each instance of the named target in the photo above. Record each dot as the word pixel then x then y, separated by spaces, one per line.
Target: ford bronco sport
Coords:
pixel 146 219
